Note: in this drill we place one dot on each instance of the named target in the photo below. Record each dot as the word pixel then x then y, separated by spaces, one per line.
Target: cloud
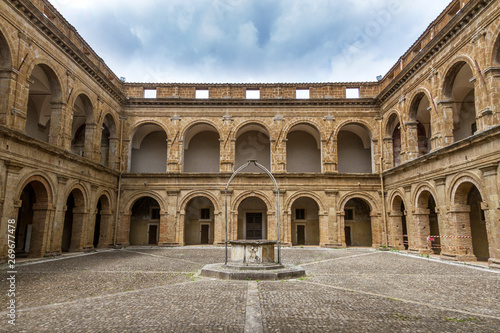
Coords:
pixel 250 40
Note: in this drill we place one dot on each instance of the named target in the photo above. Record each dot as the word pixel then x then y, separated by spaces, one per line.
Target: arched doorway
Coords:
pixel 397 221
pixel 201 149
pixel 305 222
pixel 199 221
pixel 354 147
pixel 357 223
pixel 252 143
pixel 32 220
pixel 74 222
pixel 148 149
pixel 303 149
pixel 252 219
pixel 145 222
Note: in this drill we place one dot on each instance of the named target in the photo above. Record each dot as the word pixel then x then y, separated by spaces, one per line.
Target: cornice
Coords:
pixel 442 39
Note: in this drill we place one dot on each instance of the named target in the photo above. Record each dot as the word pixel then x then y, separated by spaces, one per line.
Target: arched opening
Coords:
pixel 108 141
pixel 427 223
pixel 397 220
pixel 82 116
pixel 354 147
pixel 252 143
pixel 459 87
pixel 394 132
pixel 145 222
pixel 303 149
pixel 357 223
pixel 305 222
pixel 31 220
pixel 199 221
pixel 496 51
pixel 44 93
pixel 102 223
pixel 74 222
pixel 252 219
pixel 148 153
pixel 201 149
pixel 5 77
pixel 471 220
pixel 420 113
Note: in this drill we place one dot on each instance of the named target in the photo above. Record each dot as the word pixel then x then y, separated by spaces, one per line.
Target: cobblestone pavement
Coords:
pixel 159 290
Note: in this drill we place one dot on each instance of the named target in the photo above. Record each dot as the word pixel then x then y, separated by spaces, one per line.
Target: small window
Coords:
pixel 149 93
pixel 302 94
pixel 155 213
pixel 202 93
pixel 252 94
pixel 352 93
pixel 349 214
pixel 300 214
pixel 205 214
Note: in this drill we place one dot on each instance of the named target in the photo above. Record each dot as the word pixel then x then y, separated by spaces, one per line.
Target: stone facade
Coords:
pixel 87 160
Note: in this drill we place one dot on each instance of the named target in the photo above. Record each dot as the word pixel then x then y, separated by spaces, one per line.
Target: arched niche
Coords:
pixel 201 151
pixel 109 141
pixel 393 131
pixel 144 222
pixel 83 114
pixel 305 222
pixel 199 221
pixel 252 143
pixel 303 149
pixel 420 112
pixel 148 149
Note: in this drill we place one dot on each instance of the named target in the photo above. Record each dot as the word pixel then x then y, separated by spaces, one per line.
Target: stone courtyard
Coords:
pixel 151 289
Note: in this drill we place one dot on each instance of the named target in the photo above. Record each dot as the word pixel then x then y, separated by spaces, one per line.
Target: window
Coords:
pixel 205 214
pixel 154 213
pixel 252 94
pixel 302 94
pixel 349 214
pixel 300 214
pixel 352 93
pixel 201 93
pixel 149 93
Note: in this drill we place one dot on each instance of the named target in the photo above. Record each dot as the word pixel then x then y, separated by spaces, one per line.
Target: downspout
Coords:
pixel 119 184
pixel 381 170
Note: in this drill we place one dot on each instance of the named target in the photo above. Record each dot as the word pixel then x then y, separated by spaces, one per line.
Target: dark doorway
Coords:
pixel 348 236
pixel 254 225
pixel 205 231
pixel 301 234
pixel 153 229
pixel 97 225
pixel 68 224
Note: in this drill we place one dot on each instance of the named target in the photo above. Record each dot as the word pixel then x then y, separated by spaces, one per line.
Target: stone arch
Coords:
pixel 199 211
pixel 6 53
pixel 457 196
pixel 237 130
pixel 303 148
pixel 148 148
pixel 109 141
pixel 304 222
pixel 201 147
pixel 393 138
pixel 452 70
pixel 354 147
pixel 249 194
pixel 398 226
pixel 101 231
pixel 307 194
pixel 496 51
pixel 418 199
pixel 33 208
pixel 252 142
pixel 426 221
pixel 73 233
pixel 314 124
pixel 419 127
pixel 361 227
pixel 137 125
pixel 45 102
pixel 252 218
pixel 132 199
pixel 202 121
pixel 360 195
pixel 82 124
pixel 193 194
pixel 45 180
pixel 145 213
pixel 56 79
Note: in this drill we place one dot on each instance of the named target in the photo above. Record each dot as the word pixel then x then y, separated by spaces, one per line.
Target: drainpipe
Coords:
pixel 381 170
pixel 119 184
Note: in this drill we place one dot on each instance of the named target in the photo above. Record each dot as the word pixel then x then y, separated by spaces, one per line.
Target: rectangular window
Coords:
pixel 252 94
pixel 154 213
pixel 205 214
pixel 349 214
pixel 302 94
pixel 149 93
pixel 352 93
pixel 202 93
pixel 300 214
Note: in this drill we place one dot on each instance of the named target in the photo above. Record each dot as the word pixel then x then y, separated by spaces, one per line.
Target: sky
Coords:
pixel 250 41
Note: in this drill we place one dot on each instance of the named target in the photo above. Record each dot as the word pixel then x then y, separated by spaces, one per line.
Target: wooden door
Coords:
pixel 301 234
pixel 153 229
pixel 205 229
pixel 254 225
